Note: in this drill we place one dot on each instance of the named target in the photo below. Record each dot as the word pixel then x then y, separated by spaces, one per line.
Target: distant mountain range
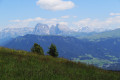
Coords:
pixel 102 53
pixel 15 32
pixel 40 29
pixel 58 29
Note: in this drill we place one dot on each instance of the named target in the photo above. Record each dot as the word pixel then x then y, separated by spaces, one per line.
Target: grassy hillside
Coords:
pixel 21 65
pixel 106 34
pixel 102 53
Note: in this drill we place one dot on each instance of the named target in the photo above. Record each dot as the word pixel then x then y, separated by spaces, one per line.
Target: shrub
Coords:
pixel 37 49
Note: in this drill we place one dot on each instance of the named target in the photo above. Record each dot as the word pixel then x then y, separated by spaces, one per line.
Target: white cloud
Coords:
pixel 28 20
pixel 63 23
pixel 65 17
pixel 17 25
pixel 109 23
pixel 55 19
pixel 51 21
pixel 114 14
pixel 55 5
pixel 113 20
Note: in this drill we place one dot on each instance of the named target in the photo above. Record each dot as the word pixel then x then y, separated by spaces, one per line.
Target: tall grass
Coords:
pixel 22 65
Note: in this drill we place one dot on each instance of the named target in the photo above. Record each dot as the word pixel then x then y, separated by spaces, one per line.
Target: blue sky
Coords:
pixel 77 13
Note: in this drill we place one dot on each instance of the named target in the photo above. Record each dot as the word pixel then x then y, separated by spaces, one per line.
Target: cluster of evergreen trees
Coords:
pixel 39 50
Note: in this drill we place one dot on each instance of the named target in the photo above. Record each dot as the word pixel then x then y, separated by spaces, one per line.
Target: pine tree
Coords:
pixel 53 51
pixel 37 49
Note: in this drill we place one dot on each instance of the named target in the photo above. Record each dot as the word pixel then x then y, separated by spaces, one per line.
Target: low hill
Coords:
pixel 22 65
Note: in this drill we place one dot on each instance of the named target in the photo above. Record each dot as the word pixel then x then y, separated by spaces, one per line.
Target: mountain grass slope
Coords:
pixel 102 35
pixel 22 65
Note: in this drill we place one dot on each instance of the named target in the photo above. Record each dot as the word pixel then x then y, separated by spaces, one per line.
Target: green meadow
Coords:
pixel 22 65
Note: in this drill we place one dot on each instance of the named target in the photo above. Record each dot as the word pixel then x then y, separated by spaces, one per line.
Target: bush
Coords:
pixel 37 49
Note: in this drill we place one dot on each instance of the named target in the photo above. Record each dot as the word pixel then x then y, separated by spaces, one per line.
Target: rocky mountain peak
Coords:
pixel 41 29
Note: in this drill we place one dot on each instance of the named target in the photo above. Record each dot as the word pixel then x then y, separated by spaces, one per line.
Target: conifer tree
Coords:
pixel 53 51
